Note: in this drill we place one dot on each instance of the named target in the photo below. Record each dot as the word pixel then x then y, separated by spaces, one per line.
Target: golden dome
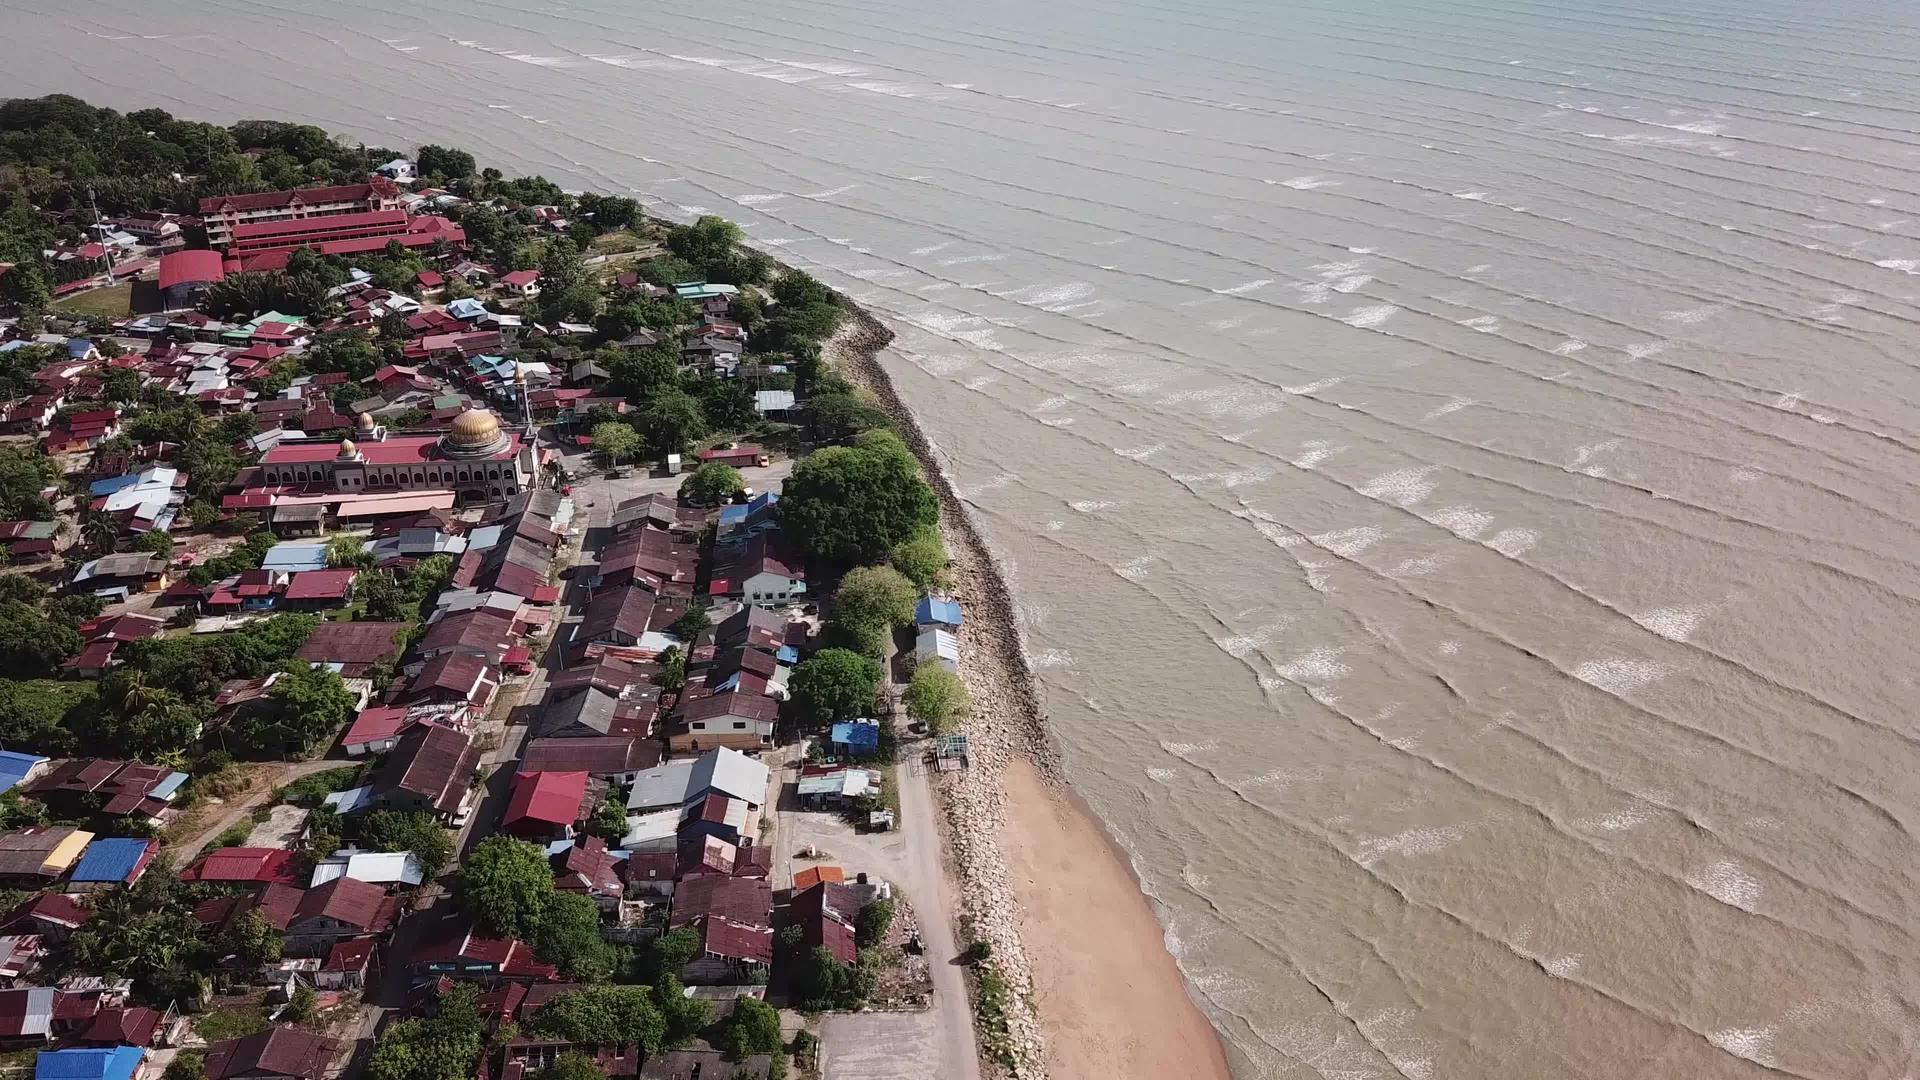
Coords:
pixel 475 427
pixel 365 422
pixel 346 448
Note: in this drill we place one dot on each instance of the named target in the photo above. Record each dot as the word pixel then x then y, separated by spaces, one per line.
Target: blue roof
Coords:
pixel 112 484
pixel 935 611
pixel 787 654
pixel 14 767
pixel 79 347
pixel 733 514
pixel 762 501
pixel 466 308
pixel 112 859
pixel 295 556
pixel 17 343
pixel 858 736
pixel 106 1063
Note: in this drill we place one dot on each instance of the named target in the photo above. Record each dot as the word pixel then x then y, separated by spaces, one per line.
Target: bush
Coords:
pixel 870 926
pixel 235 836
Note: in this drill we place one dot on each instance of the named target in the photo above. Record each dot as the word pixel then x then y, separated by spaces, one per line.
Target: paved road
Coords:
pixel 959 1057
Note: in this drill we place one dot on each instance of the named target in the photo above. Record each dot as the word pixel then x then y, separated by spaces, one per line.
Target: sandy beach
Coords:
pixel 1111 1001
pixel 1096 995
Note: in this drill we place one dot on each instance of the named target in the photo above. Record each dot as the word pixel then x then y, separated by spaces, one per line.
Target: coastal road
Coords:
pixel 959 1056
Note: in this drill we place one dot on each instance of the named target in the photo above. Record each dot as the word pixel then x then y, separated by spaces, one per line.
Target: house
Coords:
pixel 111 861
pixel 773 404
pixel 122 1026
pixel 675 784
pixel 243 866
pixel 222 214
pixel 38 854
pixel 858 738
pixel 17 768
pixel 342 908
pixel 651 558
pixel 825 910
pixel 617 759
pixel 26 1015
pixel 352 648
pixel 378 729
pixel 814 875
pixel 28 541
pixel 453 678
pixel 734 917
pixel 618 616
pixel 607 674
pixel 479 633
pixel 595 713
pixel 123 788
pixel 546 805
pixel 314 589
pixel 740 457
pixel 20 957
pixel 278 1053
pixel 936 646
pixel 347 965
pixel 751 627
pixel 429 770
pixel 459 953
pixel 132 572
pixel 387 869
pixel 834 785
pixel 759 574
pixel 737 719
pixel 937 613
pixel 718 817
pixel 90 1063
pixel 588 868
pixel 399 170
pixel 53 916
pixel 521 283
pixel 658 512
pixel 276 903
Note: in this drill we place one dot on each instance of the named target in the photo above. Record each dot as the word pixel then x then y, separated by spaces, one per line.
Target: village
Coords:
pixel 455 627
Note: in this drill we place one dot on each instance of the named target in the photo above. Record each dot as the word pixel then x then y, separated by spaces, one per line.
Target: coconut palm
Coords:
pixel 101 534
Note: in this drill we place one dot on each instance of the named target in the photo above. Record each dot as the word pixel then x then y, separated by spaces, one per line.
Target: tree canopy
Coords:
pixel 505 884
pixel 832 685
pixel 616 440
pixel 922 557
pixel 754 1028
pixel 935 697
pixel 870 602
pixel 713 483
pixel 852 504
pixel 418 832
pixel 444 1047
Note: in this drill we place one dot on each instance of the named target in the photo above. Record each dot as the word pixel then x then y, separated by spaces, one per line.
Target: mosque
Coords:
pixel 477 459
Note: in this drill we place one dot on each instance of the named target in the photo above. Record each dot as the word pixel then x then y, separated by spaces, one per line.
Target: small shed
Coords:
pixel 937 646
pixel 934 611
pixel 859 738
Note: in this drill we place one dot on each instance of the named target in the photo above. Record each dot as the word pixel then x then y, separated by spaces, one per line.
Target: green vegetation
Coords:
pixel 871 924
pixel 754 1028
pixel 507 886
pixel 832 685
pixel 418 832
pixel 935 697
pixel 712 484
pixel 444 1047
pixel 616 441
pixel 110 303
pixel 990 997
pixel 146 933
pixel 349 551
pixel 852 504
pixel 231 1022
pixel 310 790
pixel 870 603
pixel 824 983
pixel 922 557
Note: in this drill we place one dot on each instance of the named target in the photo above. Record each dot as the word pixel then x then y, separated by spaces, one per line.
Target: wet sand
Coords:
pixel 1111 1002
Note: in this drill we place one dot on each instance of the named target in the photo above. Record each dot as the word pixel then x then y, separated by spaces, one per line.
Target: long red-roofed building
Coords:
pixel 222 214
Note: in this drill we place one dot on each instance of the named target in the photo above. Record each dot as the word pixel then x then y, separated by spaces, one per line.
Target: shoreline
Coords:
pixel 1040 878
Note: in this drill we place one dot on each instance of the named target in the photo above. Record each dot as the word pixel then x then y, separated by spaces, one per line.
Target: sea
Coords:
pixel 1458 461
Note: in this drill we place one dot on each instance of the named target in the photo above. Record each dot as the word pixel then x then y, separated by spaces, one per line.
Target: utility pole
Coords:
pixel 94 202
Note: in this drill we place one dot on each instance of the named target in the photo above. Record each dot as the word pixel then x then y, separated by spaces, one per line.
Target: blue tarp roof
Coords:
pixel 858 736
pixel 79 347
pixel 112 484
pixel 108 1063
pixel 14 767
pixel 933 610
pixel 466 308
pixel 733 515
pixel 787 654
pixel 111 859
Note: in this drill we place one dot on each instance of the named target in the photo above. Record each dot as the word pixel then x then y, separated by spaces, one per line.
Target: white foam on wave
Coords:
pixel 1463 521
pixel 1616 820
pixel 1513 543
pixel 1349 543
pixel 1672 623
pixel 1314 667
pixel 1241 646
pixel 1563 967
pixel 1619 675
pixel 1140 453
pixel 1371 316
pixel 1138 568
pixel 1312 387
pixel 1753 1044
pixel 1402 487
pixel 1306 183
pixel 1423 841
pixel 1093 506
pixel 1453 405
pixel 756 200
pixel 1245 287
pixel 1569 347
pixel 1472 196
pixel 1728 883
pixel 1485 324
pixel 1050 658
pixel 1313 452
pixel 1420 566
pixel 1693 316
pixel 1644 350
pixel 1905 266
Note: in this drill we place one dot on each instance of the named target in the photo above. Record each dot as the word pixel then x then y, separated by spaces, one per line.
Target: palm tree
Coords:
pixel 101 534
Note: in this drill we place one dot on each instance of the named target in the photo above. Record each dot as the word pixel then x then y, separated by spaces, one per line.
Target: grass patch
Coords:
pixel 990 996
pixel 112 302
pixel 231 1022
pixel 890 792
pixel 309 791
